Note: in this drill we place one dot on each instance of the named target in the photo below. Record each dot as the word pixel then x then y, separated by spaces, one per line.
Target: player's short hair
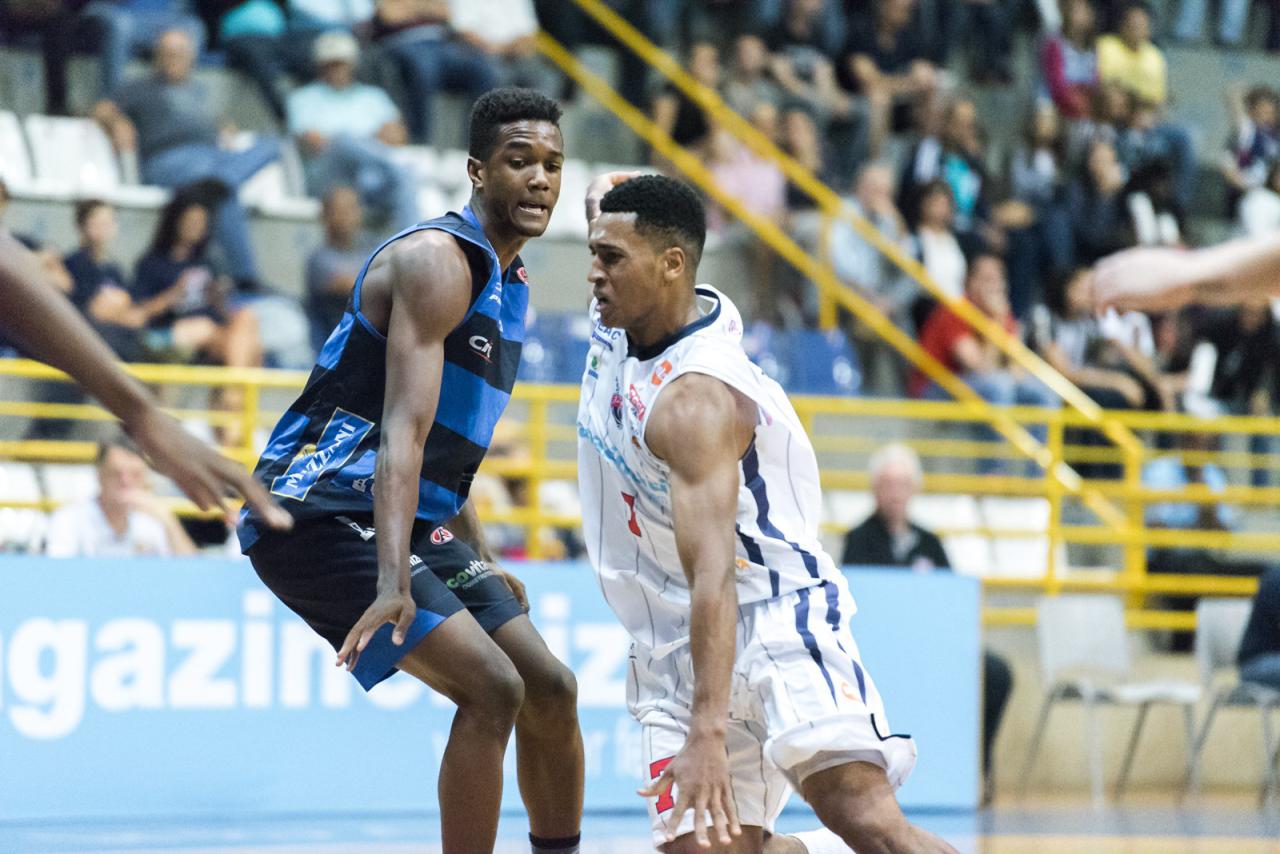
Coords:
pixel 665 209
pixel 85 209
pixel 896 454
pixel 499 107
pixel 1258 94
pixel 123 443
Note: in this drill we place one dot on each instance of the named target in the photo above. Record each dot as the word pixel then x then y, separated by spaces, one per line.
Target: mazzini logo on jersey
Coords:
pixel 338 441
pixel 475 571
pixel 482 346
pixel 251 657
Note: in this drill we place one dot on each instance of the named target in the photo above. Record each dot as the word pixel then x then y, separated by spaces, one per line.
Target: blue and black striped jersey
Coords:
pixel 321 456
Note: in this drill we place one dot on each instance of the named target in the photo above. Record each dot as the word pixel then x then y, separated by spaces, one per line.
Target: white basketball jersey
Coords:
pixel 626 501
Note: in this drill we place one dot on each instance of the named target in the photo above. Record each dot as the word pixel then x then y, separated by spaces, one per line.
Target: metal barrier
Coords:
pixel 542 438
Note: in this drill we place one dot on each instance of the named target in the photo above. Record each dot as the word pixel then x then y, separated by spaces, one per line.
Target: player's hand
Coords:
pixel 206 476
pixel 1145 279
pixel 601 185
pixel 397 608
pixel 516 585
pixel 700 774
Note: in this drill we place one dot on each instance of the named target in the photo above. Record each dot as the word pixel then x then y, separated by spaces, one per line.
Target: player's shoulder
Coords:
pixel 698 409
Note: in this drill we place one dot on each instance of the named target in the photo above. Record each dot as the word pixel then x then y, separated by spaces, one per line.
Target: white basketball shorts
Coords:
pixel 801 702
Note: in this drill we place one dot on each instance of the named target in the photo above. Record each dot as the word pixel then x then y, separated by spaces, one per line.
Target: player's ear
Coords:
pixel 673 263
pixel 475 172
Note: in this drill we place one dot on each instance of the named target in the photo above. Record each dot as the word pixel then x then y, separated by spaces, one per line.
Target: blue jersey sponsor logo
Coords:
pixel 341 436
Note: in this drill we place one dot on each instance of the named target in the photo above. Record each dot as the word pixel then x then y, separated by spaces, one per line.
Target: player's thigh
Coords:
pixel 459 660
pixel 548 682
pixel 472 581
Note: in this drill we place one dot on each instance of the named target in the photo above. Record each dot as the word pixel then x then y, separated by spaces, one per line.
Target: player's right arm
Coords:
pixel 429 282
pixel 1156 279
pixel 46 326
pixel 704 480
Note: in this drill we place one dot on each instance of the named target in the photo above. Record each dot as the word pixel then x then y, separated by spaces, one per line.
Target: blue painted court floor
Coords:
pixel 1231 825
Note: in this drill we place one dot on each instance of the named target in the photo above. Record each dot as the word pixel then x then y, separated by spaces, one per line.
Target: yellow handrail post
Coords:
pixel 250 401
pixel 1135 553
pixel 1053 489
pixel 538 413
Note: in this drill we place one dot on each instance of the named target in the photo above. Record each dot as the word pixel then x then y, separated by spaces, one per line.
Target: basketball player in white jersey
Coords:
pixel 701 502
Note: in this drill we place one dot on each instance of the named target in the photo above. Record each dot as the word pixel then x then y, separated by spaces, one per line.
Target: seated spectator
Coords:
pixel 431 56
pixel 265 44
pixel 100 290
pixel 749 82
pixel 935 245
pixel 320 15
pixel 1255 142
pixel 886 62
pixel 803 46
pixel 888 538
pixel 869 271
pixel 1042 247
pixel 504 31
pixel 975 359
pixel 1148 142
pixel 50 261
pixel 679 117
pixel 1260 207
pixel 1259 655
pixel 1155 218
pixel 724 22
pixel 126 519
pixel 346 130
pixel 956 155
pixel 333 267
pixel 1069 61
pixel 165 117
pixel 1246 369
pixel 983 29
pixel 186 304
pixel 1129 58
pixel 1094 203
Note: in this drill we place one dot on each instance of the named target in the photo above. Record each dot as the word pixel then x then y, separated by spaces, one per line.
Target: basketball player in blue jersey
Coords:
pixel 375 459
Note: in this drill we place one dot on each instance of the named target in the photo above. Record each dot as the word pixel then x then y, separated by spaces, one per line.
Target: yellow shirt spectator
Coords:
pixel 1141 71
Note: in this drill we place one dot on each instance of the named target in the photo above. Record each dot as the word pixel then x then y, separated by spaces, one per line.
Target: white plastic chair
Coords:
pixel 1084 655
pixel 940 512
pixel 72 155
pixel 970 554
pixel 65 483
pixel 21 529
pixel 847 508
pixel 569 219
pixel 15 162
pixel 1220 625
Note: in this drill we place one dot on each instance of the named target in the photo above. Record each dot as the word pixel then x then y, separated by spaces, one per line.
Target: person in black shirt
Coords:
pixel 889 539
pixel 98 287
pixel 1259 656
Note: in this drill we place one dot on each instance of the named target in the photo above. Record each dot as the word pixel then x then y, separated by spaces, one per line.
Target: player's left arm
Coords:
pixel 701 428
pixel 466 527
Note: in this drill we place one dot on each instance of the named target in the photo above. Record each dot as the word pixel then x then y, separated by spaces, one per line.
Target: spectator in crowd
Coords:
pixel 975 359
pixel 803 44
pixel 320 15
pixel 265 44
pixel 100 290
pixel 1260 207
pixel 888 538
pixel 1246 368
pixel 1259 655
pixel 572 27
pixel 983 29
pixel 678 116
pixel 724 21
pixel 956 155
pixel 1042 248
pixel 346 131
pixel 1254 145
pixel 1129 58
pixel 1095 206
pixel 1232 16
pixel 333 267
pixel 1069 61
pixel 935 244
pixel 1148 142
pixel 186 304
pixel 886 62
pixel 869 271
pixel 504 31
pixel 749 82
pixel 1155 218
pixel 431 56
pixel 126 519
pixel 165 117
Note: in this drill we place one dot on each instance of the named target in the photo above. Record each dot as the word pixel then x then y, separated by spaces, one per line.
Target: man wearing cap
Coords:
pixel 346 130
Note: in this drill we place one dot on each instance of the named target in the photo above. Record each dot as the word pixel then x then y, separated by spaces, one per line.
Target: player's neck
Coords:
pixel 664 322
pixel 505 244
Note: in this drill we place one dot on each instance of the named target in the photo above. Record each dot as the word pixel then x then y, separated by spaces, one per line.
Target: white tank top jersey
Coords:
pixel 626 500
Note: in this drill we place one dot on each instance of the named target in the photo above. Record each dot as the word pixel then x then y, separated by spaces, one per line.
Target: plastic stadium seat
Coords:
pixel 1024 557
pixel 537 356
pixel 72 156
pixel 762 344
pixel 846 508
pixel 941 512
pixel 66 483
pixel 569 334
pixel 970 554
pixel 419 160
pixel 451 170
pixel 569 219
pixel 21 530
pixel 270 191
pixel 15 162
pixel 820 362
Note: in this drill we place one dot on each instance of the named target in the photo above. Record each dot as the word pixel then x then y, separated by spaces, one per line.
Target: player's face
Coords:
pixel 626 271
pixel 520 182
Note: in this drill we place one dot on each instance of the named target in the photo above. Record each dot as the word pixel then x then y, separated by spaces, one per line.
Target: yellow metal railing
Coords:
pixel 541 428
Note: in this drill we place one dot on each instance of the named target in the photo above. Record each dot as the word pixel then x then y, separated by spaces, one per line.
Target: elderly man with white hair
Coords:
pixel 888 538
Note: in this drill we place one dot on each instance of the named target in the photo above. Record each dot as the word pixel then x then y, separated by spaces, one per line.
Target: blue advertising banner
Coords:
pixel 153 688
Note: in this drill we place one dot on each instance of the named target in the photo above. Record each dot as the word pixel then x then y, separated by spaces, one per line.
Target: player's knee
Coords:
pixel 551 696
pixel 497 696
